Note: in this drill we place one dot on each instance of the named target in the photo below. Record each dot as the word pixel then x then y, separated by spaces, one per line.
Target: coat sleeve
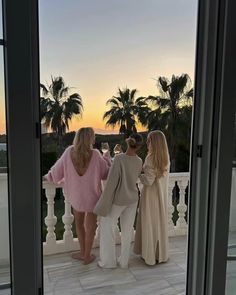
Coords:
pixel 56 173
pixel 104 204
pixel 149 175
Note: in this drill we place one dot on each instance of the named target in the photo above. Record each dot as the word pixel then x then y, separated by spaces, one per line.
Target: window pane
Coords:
pixel 1 28
pixel 231 265
pixel 4 221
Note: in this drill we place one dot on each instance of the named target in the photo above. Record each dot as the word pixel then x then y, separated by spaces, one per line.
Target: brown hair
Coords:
pixel 83 142
pixel 158 151
pixel 135 140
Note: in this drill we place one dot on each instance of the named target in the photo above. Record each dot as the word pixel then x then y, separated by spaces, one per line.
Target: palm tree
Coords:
pixel 58 107
pixel 175 94
pixel 125 109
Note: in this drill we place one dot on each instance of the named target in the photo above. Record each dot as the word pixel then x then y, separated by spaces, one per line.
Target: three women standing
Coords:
pixel 81 169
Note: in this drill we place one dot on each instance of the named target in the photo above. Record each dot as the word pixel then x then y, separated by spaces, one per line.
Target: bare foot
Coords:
pixel 90 259
pixel 77 255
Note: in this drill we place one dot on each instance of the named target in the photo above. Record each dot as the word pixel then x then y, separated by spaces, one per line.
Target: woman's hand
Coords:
pixel 107 154
pixel 44 178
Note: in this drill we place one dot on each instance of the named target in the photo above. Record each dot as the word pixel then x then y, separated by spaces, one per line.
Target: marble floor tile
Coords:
pixel 174 279
pixel 66 276
pixel 109 290
pixel 68 284
pixel 146 287
pixel 54 260
pixel 108 277
pixel 178 257
pixel 156 271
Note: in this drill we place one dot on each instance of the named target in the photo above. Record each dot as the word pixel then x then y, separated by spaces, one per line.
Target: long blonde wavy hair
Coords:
pixel 158 151
pixel 83 141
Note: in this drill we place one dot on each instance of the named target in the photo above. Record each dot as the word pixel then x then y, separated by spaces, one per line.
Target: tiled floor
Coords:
pixel 65 276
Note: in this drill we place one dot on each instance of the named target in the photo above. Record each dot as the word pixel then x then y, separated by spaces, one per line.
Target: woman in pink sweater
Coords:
pixel 81 169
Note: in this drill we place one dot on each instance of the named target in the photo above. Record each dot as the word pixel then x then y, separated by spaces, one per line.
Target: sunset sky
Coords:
pixel 100 45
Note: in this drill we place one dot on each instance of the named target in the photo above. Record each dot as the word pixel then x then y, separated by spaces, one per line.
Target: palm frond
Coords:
pixel 55 88
pixel 189 94
pixel 44 89
pixel 113 101
pixel 58 108
pixel 163 83
pixel 64 92
pixel 132 94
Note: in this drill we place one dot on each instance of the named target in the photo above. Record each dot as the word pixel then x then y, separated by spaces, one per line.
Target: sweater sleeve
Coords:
pixel 104 204
pixel 149 175
pixel 56 173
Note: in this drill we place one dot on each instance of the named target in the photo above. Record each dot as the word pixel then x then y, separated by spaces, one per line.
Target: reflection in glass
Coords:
pixel 231 264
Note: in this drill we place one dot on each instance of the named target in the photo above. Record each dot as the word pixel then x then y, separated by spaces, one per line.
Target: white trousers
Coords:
pixel 108 226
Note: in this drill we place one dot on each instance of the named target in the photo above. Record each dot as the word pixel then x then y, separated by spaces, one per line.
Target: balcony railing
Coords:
pixel 177 207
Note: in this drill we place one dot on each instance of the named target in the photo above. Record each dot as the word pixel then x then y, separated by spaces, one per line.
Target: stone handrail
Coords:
pixel 177 181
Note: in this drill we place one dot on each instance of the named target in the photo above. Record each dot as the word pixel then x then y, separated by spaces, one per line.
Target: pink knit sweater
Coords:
pixel 84 191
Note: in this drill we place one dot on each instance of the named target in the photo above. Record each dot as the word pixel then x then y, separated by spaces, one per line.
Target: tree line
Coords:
pixel 170 111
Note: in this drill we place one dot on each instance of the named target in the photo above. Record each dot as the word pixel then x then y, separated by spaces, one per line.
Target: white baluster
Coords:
pixel 67 219
pixel 182 208
pixel 171 209
pixel 97 235
pixel 51 219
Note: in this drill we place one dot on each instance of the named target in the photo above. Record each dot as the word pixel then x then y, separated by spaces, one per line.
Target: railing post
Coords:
pixel 67 219
pixel 181 224
pixel 51 219
pixel 171 226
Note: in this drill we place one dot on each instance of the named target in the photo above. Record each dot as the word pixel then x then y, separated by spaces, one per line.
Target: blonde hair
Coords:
pixel 83 142
pixel 135 141
pixel 158 151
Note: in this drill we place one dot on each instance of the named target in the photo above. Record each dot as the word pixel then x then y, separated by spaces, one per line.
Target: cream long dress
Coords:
pixel 151 239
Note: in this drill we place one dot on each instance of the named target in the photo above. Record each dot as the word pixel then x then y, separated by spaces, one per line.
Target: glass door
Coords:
pixel 4 199
pixel 231 258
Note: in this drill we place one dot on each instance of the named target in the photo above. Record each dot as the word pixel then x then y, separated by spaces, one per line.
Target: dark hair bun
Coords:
pixel 135 140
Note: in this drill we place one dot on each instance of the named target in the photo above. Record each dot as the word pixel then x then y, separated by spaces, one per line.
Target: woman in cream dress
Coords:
pixel 151 239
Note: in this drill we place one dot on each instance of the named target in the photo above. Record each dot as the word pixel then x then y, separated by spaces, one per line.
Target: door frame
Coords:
pixel 212 148
pixel 21 59
pixel 210 160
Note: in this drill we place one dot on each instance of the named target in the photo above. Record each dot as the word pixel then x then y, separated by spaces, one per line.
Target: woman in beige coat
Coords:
pixel 151 239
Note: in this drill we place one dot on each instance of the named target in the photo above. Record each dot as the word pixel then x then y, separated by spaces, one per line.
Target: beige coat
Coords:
pixel 151 239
